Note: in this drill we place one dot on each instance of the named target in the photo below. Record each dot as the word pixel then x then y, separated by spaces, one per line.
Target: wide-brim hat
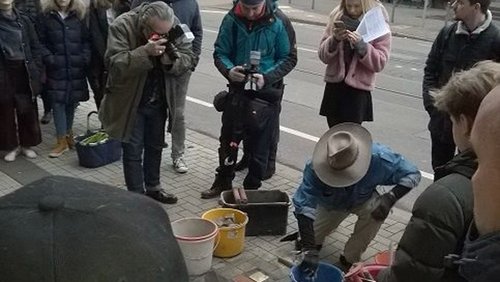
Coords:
pixel 342 155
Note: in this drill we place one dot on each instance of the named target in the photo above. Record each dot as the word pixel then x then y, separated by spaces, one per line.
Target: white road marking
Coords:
pixel 398 66
pixel 414 69
pixel 214 11
pixel 292 132
pixel 307 50
pixel 199 102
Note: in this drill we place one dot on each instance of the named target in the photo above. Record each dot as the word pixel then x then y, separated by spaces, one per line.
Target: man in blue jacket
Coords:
pixel 341 179
pixel 255 46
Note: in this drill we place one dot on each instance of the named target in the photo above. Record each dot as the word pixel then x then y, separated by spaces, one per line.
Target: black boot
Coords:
pixel 220 184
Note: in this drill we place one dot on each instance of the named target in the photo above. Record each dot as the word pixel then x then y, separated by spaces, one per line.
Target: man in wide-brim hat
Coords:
pixel 341 179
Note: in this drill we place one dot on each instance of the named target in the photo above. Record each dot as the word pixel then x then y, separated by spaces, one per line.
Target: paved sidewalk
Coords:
pixel 260 252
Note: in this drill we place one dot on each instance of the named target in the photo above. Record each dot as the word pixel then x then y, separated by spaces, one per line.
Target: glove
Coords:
pixel 310 263
pixel 386 201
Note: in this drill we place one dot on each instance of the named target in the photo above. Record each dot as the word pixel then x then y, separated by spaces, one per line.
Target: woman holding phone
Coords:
pixel 351 63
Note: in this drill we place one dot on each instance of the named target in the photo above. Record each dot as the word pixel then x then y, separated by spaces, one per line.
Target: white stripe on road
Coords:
pixel 199 102
pixel 292 131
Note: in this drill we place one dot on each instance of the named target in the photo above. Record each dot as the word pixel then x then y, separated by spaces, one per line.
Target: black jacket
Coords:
pixel 31 8
pixel 32 53
pixel 98 28
pixel 438 226
pixel 452 52
pixel 66 56
pixel 481 257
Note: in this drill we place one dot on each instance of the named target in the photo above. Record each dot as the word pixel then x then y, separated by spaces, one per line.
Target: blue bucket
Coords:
pixel 326 273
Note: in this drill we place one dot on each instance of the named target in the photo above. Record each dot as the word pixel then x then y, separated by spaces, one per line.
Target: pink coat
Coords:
pixel 361 73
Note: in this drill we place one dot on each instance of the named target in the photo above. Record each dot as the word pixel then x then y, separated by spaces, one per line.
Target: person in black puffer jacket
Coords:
pixel 64 35
pixel 444 211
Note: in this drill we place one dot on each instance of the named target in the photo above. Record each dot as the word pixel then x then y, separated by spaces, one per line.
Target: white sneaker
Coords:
pixel 11 156
pixel 28 152
pixel 180 166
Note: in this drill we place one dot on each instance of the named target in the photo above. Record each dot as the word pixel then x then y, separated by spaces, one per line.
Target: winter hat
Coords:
pixel 252 2
pixel 67 229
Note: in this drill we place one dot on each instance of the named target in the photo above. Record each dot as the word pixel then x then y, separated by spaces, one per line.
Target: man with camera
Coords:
pixel 188 12
pixel 255 48
pixel 147 51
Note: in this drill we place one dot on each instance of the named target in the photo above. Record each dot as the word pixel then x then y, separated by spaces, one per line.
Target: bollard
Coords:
pixel 424 13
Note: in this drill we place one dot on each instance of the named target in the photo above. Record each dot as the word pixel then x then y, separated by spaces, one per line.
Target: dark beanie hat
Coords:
pixel 252 2
pixel 67 229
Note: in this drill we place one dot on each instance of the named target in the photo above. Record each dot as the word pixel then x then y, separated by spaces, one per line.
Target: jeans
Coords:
pixel 365 228
pixel 63 118
pixel 177 123
pixel 146 141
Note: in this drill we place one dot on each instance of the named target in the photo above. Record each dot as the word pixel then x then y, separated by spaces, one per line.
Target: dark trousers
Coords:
pixel 97 80
pixel 442 152
pixel 258 144
pixel 443 146
pixel 142 153
pixel 47 101
pixel 18 110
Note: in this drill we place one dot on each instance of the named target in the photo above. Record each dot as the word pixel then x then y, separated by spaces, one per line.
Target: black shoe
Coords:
pixel 162 196
pixel 46 118
pixel 269 173
pixel 343 264
pixel 213 192
pixel 242 164
pixel 220 184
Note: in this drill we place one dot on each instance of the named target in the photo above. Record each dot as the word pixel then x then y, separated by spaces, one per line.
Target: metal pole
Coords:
pixel 312 5
pixel 424 13
pixel 447 17
pixel 393 10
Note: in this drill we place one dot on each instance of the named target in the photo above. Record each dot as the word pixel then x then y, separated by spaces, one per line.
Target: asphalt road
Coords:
pixel 400 120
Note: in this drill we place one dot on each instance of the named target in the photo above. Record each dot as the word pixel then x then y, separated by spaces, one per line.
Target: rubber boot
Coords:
pixel 221 183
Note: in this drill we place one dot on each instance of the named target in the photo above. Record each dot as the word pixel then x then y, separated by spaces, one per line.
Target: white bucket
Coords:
pixel 196 238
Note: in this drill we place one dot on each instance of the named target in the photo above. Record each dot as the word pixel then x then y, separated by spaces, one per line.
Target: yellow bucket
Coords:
pixel 231 239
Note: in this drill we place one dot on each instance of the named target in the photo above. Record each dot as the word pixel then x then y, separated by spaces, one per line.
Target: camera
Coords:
pixel 254 65
pixel 178 34
pixel 251 68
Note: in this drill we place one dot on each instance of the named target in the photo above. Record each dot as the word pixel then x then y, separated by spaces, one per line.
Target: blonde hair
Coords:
pixel 74 5
pixel 465 90
pixel 339 11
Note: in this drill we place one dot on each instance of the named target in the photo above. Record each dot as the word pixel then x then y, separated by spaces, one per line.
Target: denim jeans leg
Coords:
pixel 178 123
pixel 70 116
pixel 60 120
pixel 132 156
pixel 154 136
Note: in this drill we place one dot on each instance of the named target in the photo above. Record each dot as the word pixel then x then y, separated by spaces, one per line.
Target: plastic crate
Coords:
pixel 267 211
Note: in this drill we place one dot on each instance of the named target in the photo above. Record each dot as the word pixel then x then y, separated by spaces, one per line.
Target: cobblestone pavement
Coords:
pixel 260 252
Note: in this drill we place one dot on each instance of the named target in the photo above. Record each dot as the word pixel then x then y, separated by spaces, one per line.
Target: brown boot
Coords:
pixel 70 139
pixel 60 148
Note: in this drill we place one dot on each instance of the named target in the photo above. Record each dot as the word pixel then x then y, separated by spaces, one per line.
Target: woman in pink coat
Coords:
pixel 351 64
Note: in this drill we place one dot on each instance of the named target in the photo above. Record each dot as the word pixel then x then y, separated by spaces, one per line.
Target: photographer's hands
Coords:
pixel 237 74
pixel 155 47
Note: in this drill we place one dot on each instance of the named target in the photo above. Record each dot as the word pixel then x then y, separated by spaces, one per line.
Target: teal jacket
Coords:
pixel 272 35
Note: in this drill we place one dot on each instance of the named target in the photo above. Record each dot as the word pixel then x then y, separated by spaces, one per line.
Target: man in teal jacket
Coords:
pixel 260 28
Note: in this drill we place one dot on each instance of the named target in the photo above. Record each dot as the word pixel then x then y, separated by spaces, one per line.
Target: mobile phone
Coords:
pixel 339 24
